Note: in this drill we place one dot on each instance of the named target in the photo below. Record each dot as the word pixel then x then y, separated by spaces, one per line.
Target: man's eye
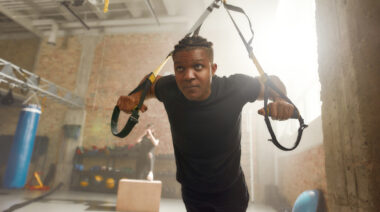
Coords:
pixel 198 66
pixel 179 69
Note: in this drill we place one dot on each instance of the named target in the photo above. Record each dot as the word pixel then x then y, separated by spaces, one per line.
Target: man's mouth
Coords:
pixel 191 86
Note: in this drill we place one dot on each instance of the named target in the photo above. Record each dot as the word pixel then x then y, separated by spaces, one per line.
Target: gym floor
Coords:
pixel 83 201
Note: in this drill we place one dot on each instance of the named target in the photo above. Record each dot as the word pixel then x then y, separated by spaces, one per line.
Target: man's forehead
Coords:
pixel 191 53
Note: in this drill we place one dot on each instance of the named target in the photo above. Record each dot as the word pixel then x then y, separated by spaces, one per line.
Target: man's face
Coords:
pixel 193 73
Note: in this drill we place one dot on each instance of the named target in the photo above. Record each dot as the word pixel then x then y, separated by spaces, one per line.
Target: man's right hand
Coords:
pixel 128 103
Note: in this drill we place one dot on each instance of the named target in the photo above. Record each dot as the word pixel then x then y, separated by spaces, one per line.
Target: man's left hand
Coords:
pixel 279 110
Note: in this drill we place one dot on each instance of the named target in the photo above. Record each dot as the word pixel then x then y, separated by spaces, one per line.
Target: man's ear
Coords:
pixel 213 68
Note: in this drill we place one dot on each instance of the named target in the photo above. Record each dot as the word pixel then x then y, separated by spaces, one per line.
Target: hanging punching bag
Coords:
pixel 22 147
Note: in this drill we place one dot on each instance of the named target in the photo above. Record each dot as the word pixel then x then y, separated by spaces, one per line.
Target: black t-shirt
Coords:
pixel 206 134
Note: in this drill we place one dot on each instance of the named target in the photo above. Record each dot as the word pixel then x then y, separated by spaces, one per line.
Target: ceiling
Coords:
pixel 40 17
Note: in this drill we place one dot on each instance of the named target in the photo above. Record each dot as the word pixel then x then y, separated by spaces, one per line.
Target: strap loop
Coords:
pixel 267 83
pixel 134 118
pixel 296 115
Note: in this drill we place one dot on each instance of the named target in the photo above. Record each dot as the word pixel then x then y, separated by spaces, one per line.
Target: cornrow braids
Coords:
pixel 194 42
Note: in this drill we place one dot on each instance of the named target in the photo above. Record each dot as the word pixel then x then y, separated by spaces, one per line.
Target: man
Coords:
pixel 145 160
pixel 204 112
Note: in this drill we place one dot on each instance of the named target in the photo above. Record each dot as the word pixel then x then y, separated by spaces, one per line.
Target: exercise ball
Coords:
pixel 307 201
pixel 84 182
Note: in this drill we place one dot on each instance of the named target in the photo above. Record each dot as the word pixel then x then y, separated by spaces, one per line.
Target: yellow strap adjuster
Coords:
pixel 106 4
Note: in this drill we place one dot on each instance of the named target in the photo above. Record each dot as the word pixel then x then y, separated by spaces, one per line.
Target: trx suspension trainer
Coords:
pixel 150 79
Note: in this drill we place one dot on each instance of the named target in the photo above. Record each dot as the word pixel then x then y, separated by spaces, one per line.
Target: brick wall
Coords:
pixel 21 52
pixel 59 65
pixel 302 171
pixel 121 61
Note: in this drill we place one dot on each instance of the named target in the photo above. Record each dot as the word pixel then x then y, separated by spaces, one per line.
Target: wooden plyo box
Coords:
pixel 138 195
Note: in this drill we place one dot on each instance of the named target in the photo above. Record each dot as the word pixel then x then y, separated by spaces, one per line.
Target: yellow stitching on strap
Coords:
pixel 152 78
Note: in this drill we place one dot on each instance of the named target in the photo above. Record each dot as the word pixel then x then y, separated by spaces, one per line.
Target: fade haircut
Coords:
pixel 193 42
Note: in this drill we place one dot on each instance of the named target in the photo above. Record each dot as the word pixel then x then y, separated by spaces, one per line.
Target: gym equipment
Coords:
pixel 138 195
pixel 22 147
pixel 150 79
pixel 15 76
pixel 98 179
pixel 23 204
pixel 8 99
pixel 106 4
pixel 84 182
pixel 40 185
pixel 307 201
pixel 110 183
pixel 51 174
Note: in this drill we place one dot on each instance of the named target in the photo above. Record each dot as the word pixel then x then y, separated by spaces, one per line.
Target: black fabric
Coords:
pixel 206 135
pixel 234 199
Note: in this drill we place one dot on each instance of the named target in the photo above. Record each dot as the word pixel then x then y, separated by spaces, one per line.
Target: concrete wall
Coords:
pixel 348 49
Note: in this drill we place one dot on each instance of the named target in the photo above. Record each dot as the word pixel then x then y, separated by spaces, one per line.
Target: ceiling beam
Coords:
pixel 34 7
pixel 135 8
pixel 152 11
pixel 171 6
pixel 98 12
pixel 16 17
pixel 116 23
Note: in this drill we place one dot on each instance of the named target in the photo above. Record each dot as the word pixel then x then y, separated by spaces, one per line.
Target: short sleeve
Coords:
pixel 247 87
pixel 164 87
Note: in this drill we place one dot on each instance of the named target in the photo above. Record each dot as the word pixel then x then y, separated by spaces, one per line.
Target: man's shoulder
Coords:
pixel 165 87
pixel 240 85
pixel 167 79
pixel 237 79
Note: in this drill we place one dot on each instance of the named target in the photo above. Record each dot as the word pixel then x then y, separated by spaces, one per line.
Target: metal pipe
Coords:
pixel 10 80
pixel 40 90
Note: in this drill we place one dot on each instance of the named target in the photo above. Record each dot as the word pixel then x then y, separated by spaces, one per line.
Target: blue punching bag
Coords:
pixel 22 147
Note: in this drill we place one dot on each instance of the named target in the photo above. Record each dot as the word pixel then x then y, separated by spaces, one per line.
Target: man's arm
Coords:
pixel 128 103
pixel 154 140
pixel 279 109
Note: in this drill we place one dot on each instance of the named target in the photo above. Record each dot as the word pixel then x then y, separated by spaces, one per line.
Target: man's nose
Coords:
pixel 189 74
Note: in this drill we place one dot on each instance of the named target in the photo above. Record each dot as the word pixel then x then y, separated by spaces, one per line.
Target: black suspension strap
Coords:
pixel 268 83
pixel 194 30
pixel 134 118
pixel 150 79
